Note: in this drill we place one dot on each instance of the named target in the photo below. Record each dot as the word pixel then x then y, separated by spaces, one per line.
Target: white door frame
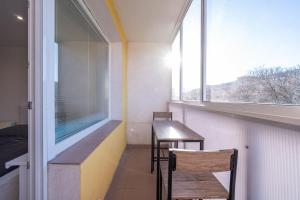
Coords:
pixel 35 79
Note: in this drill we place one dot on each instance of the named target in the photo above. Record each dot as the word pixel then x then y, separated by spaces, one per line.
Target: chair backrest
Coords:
pixel 203 161
pixel 162 115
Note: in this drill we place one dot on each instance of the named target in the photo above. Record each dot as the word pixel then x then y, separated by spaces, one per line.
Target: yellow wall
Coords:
pixel 98 169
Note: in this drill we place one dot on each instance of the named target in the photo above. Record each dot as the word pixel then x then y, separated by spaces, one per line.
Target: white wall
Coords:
pixel 149 87
pixel 13 84
pixel 268 170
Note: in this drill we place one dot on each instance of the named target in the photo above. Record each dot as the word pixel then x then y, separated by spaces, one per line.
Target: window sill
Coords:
pixel 78 152
pixel 284 115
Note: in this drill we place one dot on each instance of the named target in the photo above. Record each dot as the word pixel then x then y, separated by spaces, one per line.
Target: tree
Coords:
pixel 275 85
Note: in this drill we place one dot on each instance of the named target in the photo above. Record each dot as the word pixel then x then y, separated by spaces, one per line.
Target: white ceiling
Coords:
pixel 143 20
pixel 103 18
pixel 151 20
pixel 13 32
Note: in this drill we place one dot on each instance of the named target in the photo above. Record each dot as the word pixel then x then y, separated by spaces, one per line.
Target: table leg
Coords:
pixel 152 151
pixel 157 169
pixel 201 145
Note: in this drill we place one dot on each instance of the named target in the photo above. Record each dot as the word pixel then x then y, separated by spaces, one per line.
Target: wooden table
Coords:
pixel 170 131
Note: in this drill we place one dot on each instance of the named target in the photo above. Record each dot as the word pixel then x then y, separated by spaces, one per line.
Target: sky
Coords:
pixel 241 35
pixel 191 50
pixel 191 74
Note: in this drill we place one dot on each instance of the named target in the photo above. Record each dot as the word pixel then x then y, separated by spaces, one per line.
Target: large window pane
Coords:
pixel 81 76
pixel 176 58
pixel 191 53
pixel 253 51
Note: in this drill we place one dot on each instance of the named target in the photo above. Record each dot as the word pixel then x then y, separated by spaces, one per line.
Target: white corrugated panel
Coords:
pixel 268 170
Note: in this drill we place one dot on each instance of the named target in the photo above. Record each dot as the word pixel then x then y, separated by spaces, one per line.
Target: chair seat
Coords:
pixel 194 185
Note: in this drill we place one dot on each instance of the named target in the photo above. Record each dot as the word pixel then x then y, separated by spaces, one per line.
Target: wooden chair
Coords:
pixel 189 174
pixel 162 115
pixel 164 146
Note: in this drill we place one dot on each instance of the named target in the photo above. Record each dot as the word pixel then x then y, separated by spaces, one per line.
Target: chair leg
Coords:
pixel 170 169
pixel 202 145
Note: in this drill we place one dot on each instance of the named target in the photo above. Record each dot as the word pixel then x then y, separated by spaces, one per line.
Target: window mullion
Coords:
pixel 181 64
pixel 203 51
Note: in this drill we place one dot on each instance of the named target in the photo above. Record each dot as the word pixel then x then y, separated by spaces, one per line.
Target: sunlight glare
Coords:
pixel 169 60
pixel 174 133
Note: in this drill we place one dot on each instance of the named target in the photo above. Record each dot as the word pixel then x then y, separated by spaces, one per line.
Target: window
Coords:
pixel 252 51
pixel 191 53
pixel 176 57
pixel 186 72
pixel 81 83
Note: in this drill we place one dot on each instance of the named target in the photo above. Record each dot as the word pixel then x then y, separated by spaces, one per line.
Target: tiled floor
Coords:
pixel 133 181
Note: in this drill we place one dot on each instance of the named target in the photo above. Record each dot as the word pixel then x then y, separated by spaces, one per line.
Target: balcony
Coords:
pixel 223 75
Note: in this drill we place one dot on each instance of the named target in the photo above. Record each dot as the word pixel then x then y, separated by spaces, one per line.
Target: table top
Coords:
pixel 168 131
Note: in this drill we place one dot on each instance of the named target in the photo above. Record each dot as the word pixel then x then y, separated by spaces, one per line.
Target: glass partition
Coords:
pixel 191 42
pixel 81 79
pixel 176 62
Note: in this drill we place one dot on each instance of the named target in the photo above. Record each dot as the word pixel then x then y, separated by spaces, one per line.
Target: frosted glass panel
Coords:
pixel 81 82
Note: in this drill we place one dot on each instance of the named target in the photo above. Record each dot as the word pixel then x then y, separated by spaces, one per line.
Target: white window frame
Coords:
pixel 181 31
pixel 50 57
pixel 287 114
